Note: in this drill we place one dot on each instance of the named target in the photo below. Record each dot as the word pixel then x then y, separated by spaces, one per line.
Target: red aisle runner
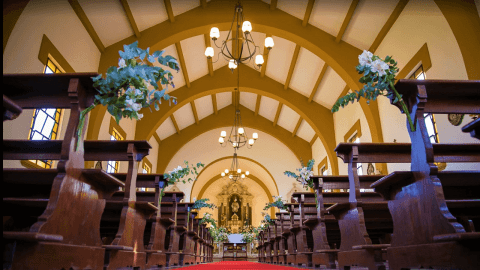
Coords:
pixel 236 265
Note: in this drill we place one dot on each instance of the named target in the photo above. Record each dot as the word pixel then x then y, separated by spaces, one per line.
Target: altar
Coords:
pixel 235 208
pixel 234 252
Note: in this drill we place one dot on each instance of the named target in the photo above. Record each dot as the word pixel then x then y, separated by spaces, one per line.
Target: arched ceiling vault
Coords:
pixel 340 56
pixel 317 116
pixel 171 145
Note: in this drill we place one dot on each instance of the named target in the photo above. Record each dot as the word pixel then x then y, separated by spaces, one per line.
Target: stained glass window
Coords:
pixel 45 121
pixel 112 166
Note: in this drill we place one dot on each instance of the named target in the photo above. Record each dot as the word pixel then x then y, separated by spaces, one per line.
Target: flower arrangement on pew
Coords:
pixel 277 202
pixel 379 79
pixel 178 175
pixel 125 89
pixel 199 204
pixel 304 176
pixel 219 234
pixel 267 220
pixel 208 219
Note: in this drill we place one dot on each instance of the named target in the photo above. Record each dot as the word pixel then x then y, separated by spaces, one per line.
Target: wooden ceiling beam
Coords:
pixel 273 4
pixel 194 110
pixel 86 23
pixel 214 102
pixel 208 43
pixel 157 138
pixel 277 114
pixel 203 3
pixel 388 25
pixel 319 80
pixel 168 7
pixel 313 140
pixel 347 19
pixel 292 66
pixel 265 59
pixel 183 66
pixel 297 126
pixel 129 13
pixel 257 105
pixel 308 12
pixel 175 123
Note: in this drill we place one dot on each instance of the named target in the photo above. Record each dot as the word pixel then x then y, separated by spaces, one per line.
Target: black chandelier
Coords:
pixel 239 40
pixel 234 173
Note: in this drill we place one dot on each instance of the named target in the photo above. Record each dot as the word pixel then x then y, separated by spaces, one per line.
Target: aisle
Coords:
pixel 236 265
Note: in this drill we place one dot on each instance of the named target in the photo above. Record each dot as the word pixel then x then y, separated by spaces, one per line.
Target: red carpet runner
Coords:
pixel 236 265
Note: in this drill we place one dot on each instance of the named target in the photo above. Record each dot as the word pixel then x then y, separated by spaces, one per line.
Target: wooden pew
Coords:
pixel 10 109
pixel 185 232
pixel 275 241
pixel 269 232
pixel 426 231
pixel 58 211
pixel 473 128
pixel 291 232
pixel 282 222
pixel 261 246
pixel 127 248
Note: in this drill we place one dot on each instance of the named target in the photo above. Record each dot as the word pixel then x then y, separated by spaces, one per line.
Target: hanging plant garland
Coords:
pixel 124 90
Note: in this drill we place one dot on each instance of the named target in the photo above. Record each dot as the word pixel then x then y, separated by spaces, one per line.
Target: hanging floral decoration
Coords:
pixel 179 174
pixel 125 89
pixel 277 202
pixel 208 219
pixel 379 79
pixel 304 176
pixel 202 203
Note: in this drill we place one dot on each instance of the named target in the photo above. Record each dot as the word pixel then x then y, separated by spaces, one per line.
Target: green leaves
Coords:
pixel 202 203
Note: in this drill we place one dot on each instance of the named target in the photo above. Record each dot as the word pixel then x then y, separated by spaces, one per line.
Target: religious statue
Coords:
pixel 235 206
pixel 223 221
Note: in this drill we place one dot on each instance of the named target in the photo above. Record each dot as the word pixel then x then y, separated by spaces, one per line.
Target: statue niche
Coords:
pixel 235 209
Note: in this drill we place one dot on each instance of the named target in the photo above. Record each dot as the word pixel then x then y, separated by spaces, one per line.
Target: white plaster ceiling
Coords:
pixel 178 78
pixel 223 100
pixel 279 59
pixel 147 13
pixel 329 15
pixel 248 100
pixel 204 106
pixel 182 6
pixel 295 8
pixel 288 118
pixel 184 116
pixel 306 72
pixel 166 129
pixel 268 108
pixel 305 131
pixel 329 89
pixel 194 53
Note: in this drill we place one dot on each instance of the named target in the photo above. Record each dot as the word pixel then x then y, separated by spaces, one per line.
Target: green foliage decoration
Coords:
pixel 278 203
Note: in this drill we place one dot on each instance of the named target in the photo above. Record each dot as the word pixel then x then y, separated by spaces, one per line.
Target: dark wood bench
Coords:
pixel 10 109
pixel 473 128
pixel 282 222
pixel 261 247
pixel 185 230
pixel 61 202
pixel 427 233
pixel 292 231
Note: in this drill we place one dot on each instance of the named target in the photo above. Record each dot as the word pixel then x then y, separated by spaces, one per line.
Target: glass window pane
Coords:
pixel 47 129
pixel 421 76
pixel 48 70
pixel 430 127
pixel 51 112
pixel 36 136
pixel 39 120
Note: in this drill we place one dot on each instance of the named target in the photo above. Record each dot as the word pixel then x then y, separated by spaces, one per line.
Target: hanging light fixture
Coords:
pixel 234 173
pixel 241 40
pixel 238 137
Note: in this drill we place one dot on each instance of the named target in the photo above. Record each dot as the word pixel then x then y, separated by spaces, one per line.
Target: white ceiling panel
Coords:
pixel 194 53
pixel 329 15
pixel 204 106
pixel 267 1
pixel 223 100
pixel 329 89
pixel 367 21
pixel 306 72
pixel 248 100
pixel 109 20
pixel 288 118
pixel 166 129
pixel 181 6
pixel 184 116
pixel 178 78
pixel 268 107
pixel 305 131
pixel 279 59
pixel 147 13
pixel 295 8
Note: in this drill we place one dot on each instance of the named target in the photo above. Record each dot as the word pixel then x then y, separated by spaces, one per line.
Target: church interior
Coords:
pixel 248 102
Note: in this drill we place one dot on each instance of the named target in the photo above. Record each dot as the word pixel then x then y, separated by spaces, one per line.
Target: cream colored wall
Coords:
pixel 422 22
pixel 268 151
pixel 58 21
pixel 152 156
pixel 259 200
pixel 319 153
pixel 344 120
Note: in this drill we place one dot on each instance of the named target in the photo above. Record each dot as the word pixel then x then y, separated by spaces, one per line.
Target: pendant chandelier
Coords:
pixel 234 173
pixel 241 42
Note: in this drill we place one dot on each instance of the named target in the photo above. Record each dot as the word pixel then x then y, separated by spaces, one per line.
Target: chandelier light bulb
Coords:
pixel 232 64
pixel 226 170
pixel 247 173
pixel 234 144
pixel 259 60
pixel 255 136
pixel 230 176
pixel 240 131
pixel 221 140
pixel 269 43
pixel 243 175
pixel 239 170
pixel 209 52
pixel 251 141
pixel 246 27
pixel 223 134
pixel 223 174
pixel 214 33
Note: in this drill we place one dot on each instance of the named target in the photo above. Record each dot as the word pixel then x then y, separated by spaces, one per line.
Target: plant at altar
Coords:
pixel 219 234
pixel 277 202
pixel 249 234
pixel 125 89
pixel 379 79
pixel 207 218
pixel 179 174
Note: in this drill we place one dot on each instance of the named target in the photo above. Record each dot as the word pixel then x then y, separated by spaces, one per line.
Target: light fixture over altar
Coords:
pixel 238 137
pixel 234 173
pixel 241 41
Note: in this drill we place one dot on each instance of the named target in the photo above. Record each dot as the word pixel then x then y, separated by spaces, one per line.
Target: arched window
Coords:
pixel 112 166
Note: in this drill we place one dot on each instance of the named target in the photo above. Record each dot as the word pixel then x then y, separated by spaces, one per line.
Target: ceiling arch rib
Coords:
pixel 317 116
pixel 172 144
